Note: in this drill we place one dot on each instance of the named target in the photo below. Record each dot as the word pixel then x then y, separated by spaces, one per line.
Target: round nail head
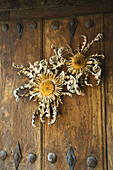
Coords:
pixel 55 25
pixel 52 157
pixel 89 23
pixel 43 2
pixel 32 157
pixel 5 27
pixel 3 155
pixel 91 162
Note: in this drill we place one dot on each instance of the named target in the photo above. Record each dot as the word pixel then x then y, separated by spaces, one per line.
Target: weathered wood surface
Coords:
pixel 26 4
pixel 82 118
pixel 108 27
pixel 16 118
pixel 84 121
pixel 62 11
pixel 33 9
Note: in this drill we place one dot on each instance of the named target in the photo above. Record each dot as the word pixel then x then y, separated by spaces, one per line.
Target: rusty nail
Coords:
pixel 52 157
pixel 19 28
pixel 32 157
pixel 72 21
pixel 55 25
pixel 72 25
pixel 17 156
pixel 89 23
pixel 91 162
pixel 5 27
pixel 43 2
pixel 33 25
pixel 3 155
pixel 71 159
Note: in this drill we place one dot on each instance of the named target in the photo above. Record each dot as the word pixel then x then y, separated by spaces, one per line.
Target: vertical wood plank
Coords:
pixel 80 124
pixel 16 118
pixel 108 28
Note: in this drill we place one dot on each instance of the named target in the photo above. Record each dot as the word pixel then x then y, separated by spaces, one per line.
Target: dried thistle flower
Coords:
pixel 80 65
pixel 44 86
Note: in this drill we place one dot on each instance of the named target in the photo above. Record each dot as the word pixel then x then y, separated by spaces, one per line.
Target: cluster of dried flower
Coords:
pixel 46 81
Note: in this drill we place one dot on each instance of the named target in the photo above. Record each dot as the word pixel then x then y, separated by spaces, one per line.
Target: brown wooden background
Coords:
pixel 86 122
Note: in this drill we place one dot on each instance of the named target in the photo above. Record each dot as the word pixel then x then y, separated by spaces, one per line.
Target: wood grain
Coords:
pixel 26 4
pixel 84 121
pixel 62 11
pixel 4 15
pixel 16 118
pixel 82 118
pixel 108 27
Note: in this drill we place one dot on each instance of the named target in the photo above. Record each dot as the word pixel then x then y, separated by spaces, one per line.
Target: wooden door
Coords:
pixel 85 123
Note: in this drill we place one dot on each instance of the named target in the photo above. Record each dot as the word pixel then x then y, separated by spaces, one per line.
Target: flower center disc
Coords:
pixel 47 88
pixel 78 61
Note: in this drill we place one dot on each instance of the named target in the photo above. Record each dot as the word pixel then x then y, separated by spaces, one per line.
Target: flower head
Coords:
pixel 80 65
pixel 45 85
